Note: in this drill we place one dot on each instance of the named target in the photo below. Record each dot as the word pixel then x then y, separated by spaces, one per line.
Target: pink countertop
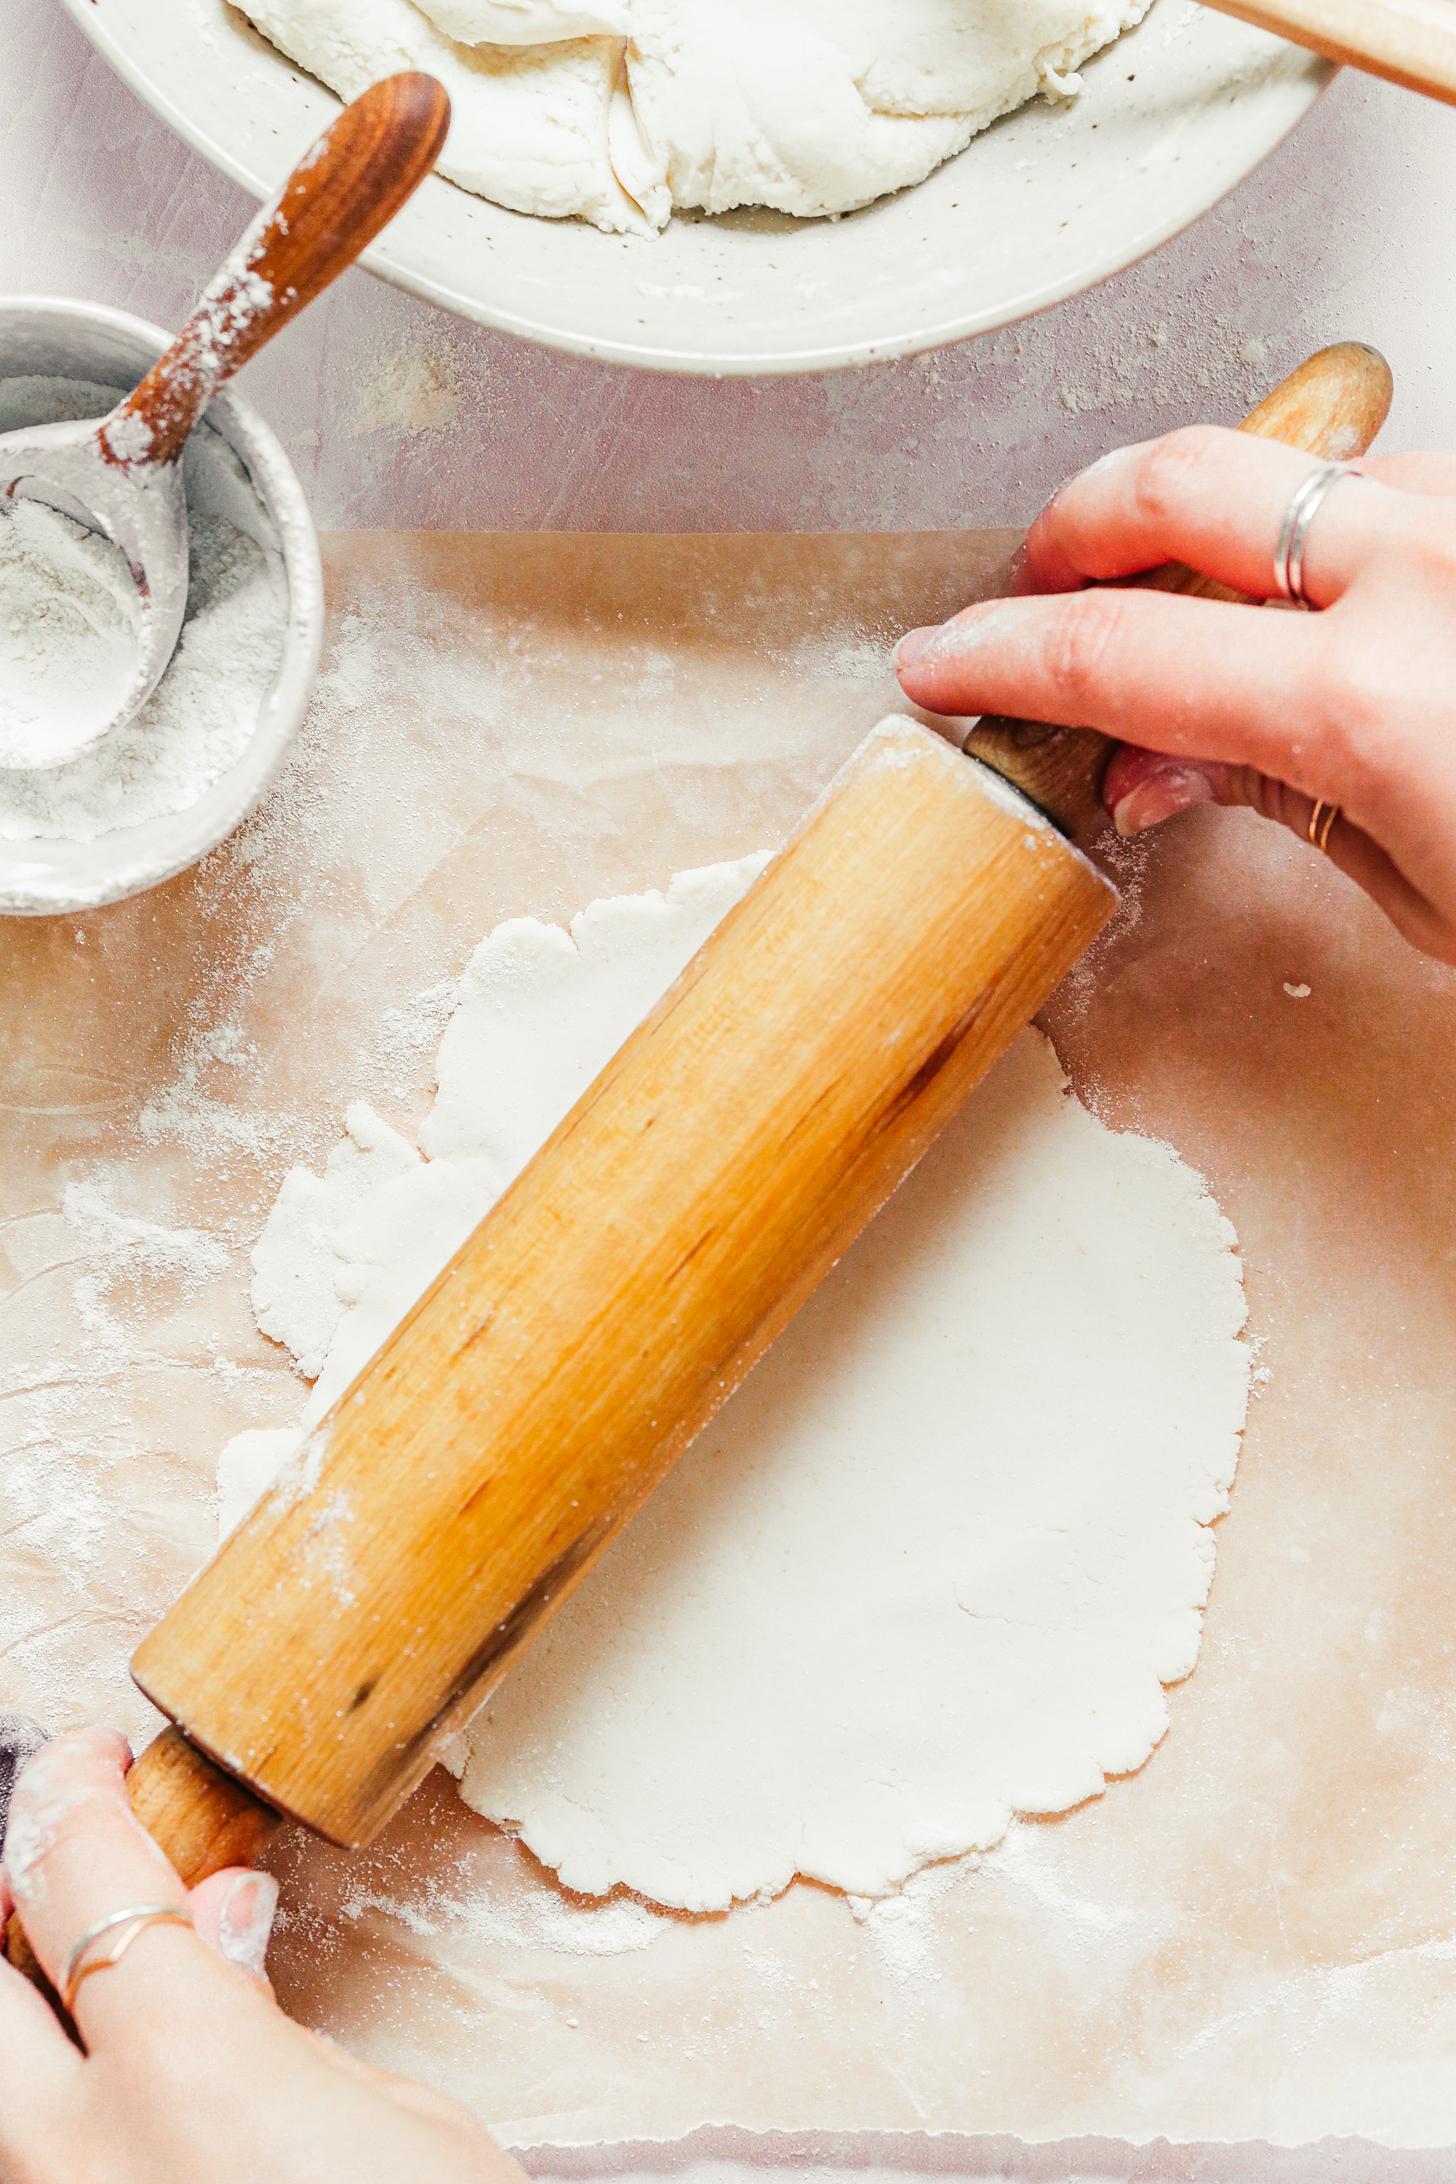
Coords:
pixel 397 414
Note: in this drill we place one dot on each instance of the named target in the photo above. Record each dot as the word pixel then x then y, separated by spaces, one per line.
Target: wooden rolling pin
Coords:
pixel 1409 42
pixel 625 1283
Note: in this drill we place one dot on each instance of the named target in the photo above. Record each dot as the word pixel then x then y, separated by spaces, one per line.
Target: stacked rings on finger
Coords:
pixel 1322 823
pixel 1291 553
pixel 1290 557
pixel 126 1925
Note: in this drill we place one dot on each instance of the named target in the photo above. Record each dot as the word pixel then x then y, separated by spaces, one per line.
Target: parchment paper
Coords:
pixel 726 2156
pixel 1253 1939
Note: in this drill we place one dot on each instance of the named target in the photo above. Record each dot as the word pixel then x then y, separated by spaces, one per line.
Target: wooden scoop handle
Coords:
pixel 339 196
pixel 1332 407
pixel 1409 42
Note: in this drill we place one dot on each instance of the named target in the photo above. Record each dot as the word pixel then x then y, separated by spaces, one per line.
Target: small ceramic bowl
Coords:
pixel 40 334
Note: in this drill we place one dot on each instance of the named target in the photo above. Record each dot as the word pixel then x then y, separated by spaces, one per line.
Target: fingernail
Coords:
pixel 1158 796
pixel 912 647
pixel 245 1922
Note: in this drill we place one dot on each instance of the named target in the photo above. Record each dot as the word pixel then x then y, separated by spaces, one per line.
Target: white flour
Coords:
pixel 64 638
pixel 70 623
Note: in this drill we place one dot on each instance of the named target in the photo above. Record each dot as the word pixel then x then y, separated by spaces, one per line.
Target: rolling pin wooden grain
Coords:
pixel 732 1151
pixel 1409 42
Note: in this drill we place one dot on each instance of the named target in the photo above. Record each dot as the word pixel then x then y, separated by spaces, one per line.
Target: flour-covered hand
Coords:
pixel 186 2066
pixel 1340 724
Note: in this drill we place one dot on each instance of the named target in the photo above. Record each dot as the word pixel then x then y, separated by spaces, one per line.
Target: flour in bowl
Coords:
pixel 622 111
pixel 70 626
pixel 67 640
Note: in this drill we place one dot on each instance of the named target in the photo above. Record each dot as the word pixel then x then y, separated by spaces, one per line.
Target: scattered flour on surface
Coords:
pixel 122 1249
pixel 542 1918
pixel 903 1930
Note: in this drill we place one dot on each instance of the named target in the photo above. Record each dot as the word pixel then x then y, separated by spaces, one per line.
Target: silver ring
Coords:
pixel 1293 547
pixel 135 1919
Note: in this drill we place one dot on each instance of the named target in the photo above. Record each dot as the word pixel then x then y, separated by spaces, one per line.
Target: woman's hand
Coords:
pixel 189 2073
pixel 1292 714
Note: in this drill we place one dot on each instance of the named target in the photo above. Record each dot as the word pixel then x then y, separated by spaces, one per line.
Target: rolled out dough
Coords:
pixel 622 111
pixel 933 1564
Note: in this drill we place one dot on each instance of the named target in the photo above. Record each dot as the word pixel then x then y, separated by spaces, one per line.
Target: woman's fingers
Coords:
pixel 1244 705
pixel 28 2028
pixel 1433 477
pixel 38 2065
pixel 1143 788
pixel 1187 676
pixel 1212 499
pixel 75 1854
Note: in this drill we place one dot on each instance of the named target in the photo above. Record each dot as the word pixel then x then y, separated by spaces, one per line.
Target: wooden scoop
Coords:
pixel 122 476
pixel 628 1279
pixel 1409 42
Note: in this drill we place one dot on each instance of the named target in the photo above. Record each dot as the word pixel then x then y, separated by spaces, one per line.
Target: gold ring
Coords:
pixel 126 1925
pixel 1322 825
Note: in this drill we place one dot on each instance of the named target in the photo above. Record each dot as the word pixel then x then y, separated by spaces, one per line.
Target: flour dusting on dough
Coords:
pixel 935 1562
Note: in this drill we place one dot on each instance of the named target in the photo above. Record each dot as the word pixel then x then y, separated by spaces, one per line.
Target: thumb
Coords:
pixel 233 1912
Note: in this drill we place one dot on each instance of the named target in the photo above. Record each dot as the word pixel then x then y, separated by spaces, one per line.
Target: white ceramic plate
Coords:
pixel 1040 208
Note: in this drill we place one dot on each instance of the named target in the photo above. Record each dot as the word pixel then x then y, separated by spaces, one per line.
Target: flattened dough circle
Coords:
pixel 936 1561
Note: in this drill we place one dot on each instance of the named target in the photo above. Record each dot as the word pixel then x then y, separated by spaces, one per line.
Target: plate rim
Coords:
pixel 389 266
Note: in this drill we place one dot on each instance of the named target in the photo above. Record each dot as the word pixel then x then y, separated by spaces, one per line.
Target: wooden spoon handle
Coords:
pixel 341 193
pixel 1334 407
pixel 1409 42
